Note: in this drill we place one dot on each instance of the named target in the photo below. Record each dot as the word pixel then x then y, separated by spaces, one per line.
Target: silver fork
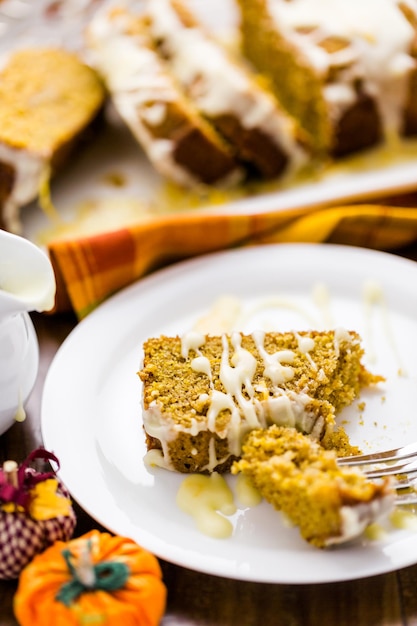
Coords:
pixel 398 462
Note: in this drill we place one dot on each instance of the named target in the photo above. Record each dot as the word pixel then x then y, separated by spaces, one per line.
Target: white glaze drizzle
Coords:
pixel 191 341
pixel 289 408
pixel 305 345
pixel 275 302
pixel 201 364
pixel 221 318
pixel 379 39
pixel 155 458
pixel 136 79
pixel 162 429
pixel 321 298
pixel 238 378
pixel 341 335
pixel 216 84
pixel 208 499
pixel 278 373
pixel 248 406
pixel 374 297
pixel 355 519
pixel 219 402
pixel 29 169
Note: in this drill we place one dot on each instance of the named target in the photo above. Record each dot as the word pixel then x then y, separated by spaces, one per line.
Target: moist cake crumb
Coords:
pixel 329 504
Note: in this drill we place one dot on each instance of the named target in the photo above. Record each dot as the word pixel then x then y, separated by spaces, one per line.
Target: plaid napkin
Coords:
pixel 90 269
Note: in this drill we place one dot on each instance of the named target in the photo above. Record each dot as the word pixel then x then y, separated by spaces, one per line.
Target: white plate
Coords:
pixel 91 410
pixel 87 179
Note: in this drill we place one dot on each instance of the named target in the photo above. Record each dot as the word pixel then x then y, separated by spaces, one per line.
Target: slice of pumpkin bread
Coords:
pixel 330 504
pixel 202 394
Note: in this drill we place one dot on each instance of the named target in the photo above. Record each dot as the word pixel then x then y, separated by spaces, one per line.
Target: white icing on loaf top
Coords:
pixel 140 86
pixel 250 406
pixel 29 169
pixel 215 82
pixel 134 77
pixel 378 39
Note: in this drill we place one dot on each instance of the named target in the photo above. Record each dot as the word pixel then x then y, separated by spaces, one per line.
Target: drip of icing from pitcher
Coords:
pixel 27 283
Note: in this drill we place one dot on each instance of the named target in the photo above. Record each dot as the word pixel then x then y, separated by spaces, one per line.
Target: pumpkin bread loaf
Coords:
pixel 346 70
pixel 178 141
pixel 262 135
pixel 48 99
pixel 203 394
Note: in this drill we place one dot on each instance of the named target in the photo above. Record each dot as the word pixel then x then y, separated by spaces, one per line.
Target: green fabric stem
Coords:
pixel 107 576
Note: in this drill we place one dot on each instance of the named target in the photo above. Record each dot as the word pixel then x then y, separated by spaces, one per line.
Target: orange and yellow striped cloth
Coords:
pixel 91 269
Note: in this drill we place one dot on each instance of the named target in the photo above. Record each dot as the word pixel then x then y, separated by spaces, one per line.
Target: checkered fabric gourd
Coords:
pixel 20 539
pixel 23 532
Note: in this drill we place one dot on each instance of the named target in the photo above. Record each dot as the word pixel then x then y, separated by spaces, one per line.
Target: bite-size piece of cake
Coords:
pixel 330 504
pixel 261 133
pixel 178 141
pixel 202 394
pixel 346 70
pixel 48 99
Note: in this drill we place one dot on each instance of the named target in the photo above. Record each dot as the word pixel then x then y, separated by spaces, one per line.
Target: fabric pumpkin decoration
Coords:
pixel 97 579
pixel 35 511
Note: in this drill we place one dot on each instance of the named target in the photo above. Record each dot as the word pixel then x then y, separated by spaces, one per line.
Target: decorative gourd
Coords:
pixel 96 579
pixel 35 511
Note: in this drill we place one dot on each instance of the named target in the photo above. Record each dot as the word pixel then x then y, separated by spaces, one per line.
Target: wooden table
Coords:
pixel 196 599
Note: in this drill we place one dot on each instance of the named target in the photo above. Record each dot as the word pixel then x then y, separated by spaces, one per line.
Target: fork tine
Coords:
pixel 406 498
pixel 392 470
pixel 405 483
pixel 396 454
pixel 406 471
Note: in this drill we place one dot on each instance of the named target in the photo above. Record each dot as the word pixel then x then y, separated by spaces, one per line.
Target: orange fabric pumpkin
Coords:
pixel 97 579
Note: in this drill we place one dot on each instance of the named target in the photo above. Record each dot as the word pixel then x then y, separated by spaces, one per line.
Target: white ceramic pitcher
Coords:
pixel 27 283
